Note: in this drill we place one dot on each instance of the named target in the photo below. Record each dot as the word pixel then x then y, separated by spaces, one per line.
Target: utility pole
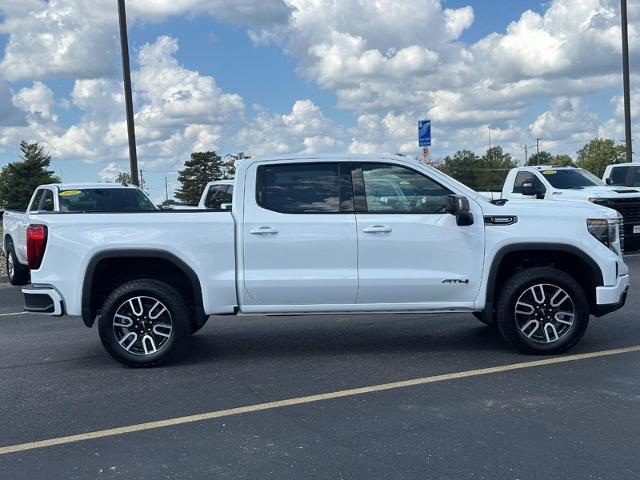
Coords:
pixel 166 189
pixel 128 99
pixel 489 127
pixel 625 80
pixel 538 145
pixel 526 154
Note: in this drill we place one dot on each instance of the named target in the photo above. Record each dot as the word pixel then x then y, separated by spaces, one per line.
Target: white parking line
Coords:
pixel 12 313
pixel 81 437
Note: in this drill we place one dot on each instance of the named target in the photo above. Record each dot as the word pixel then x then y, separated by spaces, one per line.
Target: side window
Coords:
pixel 47 201
pixel 523 177
pixel 619 175
pixel 303 188
pixel 217 195
pixel 636 178
pixel 398 189
pixel 35 204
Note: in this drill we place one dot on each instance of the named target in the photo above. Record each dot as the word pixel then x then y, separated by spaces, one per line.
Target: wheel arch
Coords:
pixel 157 264
pixel 572 260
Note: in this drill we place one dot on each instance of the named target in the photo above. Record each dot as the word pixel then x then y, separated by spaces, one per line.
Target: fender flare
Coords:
pixel 596 272
pixel 87 284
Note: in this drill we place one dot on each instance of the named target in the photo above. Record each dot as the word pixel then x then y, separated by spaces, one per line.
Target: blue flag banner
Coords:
pixel 424 133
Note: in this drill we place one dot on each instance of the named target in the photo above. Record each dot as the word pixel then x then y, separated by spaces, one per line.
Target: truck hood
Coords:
pixel 553 208
pixel 600 191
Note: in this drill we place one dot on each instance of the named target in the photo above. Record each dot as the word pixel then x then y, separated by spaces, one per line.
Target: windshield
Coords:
pixel 104 200
pixel 571 179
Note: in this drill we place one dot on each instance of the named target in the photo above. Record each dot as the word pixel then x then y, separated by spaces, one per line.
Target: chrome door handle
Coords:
pixel 263 231
pixel 377 229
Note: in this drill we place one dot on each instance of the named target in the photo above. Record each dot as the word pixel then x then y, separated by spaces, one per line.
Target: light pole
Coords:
pixel 625 80
pixel 128 100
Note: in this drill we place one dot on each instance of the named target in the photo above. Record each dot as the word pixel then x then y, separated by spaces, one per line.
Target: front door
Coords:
pixel 299 237
pixel 410 251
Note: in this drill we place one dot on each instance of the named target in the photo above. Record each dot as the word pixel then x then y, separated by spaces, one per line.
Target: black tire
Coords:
pixel 511 323
pixel 483 318
pixel 179 320
pixel 196 326
pixel 17 273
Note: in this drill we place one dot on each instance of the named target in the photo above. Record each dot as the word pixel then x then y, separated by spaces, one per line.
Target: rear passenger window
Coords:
pixel 35 204
pixel 217 196
pixel 47 201
pixel 619 175
pixel 300 187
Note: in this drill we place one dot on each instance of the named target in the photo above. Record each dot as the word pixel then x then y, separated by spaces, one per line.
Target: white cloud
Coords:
pixel 37 100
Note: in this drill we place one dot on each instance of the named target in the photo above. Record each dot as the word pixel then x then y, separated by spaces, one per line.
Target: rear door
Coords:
pixel 410 251
pixel 299 237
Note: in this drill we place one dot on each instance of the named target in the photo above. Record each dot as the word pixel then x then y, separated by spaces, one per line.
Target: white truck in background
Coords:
pixel 622 175
pixel 68 197
pixel 330 234
pixel 572 184
pixel 217 195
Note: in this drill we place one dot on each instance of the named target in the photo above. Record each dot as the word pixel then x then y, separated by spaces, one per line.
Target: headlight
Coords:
pixel 607 231
pixel 599 201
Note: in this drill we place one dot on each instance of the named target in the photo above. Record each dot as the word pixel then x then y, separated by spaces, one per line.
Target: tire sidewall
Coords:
pixel 150 288
pixel 522 281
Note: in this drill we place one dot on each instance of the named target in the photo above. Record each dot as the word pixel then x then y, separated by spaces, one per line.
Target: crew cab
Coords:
pixel 622 175
pixel 217 195
pixel 83 197
pixel 330 234
pixel 572 184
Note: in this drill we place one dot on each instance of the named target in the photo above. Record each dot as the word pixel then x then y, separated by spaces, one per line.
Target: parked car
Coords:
pixel 622 175
pixel 216 195
pixel 573 184
pixel 63 198
pixel 309 235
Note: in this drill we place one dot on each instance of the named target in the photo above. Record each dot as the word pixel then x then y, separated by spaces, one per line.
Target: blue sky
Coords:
pixel 287 77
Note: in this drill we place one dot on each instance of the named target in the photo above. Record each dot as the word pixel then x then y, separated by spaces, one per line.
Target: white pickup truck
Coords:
pixel 572 184
pixel 217 195
pixel 77 197
pixel 330 234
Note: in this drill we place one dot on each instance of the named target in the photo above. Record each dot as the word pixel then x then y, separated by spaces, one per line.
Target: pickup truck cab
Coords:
pixel 622 175
pixel 77 197
pixel 217 195
pixel 330 234
pixel 573 184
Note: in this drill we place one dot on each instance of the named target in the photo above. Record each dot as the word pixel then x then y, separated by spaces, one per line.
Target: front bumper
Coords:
pixel 43 299
pixel 611 298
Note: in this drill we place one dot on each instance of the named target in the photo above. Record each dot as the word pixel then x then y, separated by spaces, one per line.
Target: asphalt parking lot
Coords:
pixel 559 419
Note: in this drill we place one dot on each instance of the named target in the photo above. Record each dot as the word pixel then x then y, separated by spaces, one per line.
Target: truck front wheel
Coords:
pixel 543 311
pixel 144 323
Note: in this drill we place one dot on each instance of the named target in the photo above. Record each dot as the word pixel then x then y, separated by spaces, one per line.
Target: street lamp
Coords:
pixel 128 100
pixel 625 80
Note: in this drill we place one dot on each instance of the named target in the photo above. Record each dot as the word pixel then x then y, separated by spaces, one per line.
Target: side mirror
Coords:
pixel 458 206
pixel 609 181
pixel 527 189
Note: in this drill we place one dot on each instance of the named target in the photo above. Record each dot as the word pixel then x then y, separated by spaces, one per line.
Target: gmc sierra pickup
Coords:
pixel 343 234
pixel 57 197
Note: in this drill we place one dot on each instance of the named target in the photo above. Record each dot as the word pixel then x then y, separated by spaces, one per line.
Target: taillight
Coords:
pixel 36 243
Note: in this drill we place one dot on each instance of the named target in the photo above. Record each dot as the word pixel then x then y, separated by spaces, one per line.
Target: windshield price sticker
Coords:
pixel 549 172
pixel 70 193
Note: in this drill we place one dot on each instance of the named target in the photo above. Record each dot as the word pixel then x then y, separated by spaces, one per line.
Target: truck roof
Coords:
pixel 326 156
pixel 87 185
pixel 549 167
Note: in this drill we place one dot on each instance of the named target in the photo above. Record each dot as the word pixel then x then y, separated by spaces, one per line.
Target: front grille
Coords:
pixel 628 208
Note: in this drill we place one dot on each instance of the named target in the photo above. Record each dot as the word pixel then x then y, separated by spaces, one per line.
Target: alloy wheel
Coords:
pixel 142 325
pixel 544 313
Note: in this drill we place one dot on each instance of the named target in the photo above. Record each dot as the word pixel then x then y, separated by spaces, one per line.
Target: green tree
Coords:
pixel 123 177
pixel 19 179
pixel 202 168
pixel 542 158
pixel 562 161
pixel 464 166
pixel 495 167
pixel 598 153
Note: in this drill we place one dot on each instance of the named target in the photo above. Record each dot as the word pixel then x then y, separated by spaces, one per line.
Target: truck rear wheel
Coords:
pixel 17 273
pixel 542 311
pixel 144 323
